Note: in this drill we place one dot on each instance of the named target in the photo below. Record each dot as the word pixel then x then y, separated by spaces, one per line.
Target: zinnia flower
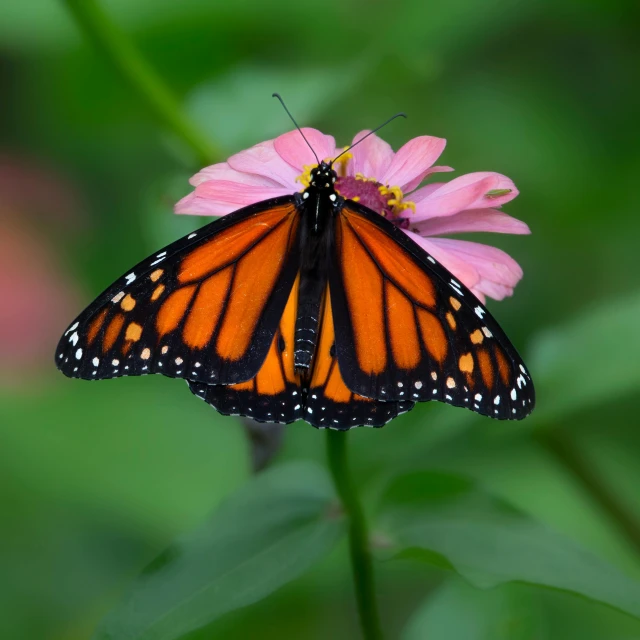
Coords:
pixel 388 183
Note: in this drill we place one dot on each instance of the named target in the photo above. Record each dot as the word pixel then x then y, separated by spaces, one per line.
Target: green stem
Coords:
pixel 126 59
pixel 358 537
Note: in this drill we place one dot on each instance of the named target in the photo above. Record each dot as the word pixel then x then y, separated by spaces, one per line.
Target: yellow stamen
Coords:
pixel 396 199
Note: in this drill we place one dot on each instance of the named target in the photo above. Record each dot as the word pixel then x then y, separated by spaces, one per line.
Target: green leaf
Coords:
pixel 264 536
pixel 457 611
pixel 237 109
pixel 138 449
pixel 489 543
pixel 590 360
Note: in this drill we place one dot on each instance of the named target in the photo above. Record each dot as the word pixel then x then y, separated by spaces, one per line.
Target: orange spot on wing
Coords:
pixel 157 292
pixel 112 332
pixel 155 276
pixel 363 284
pixel 433 335
pixel 128 303
pixel 133 332
pixel 255 278
pixel 465 363
pixel 477 337
pixel 95 326
pixel 503 365
pixel 486 367
pixel 207 308
pixel 455 303
pixel 131 335
pixel 403 332
pixel 226 246
pixel 451 320
pixel 394 260
pixel 173 309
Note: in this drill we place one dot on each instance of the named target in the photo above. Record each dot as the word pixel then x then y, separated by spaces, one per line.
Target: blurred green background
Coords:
pixel 96 480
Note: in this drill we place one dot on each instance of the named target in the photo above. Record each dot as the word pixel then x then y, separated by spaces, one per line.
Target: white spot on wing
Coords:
pixel 74 326
pixel 117 297
pixel 479 312
pixel 130 278
pixel 78 354
pixel 74 338
pixel 96 362
pixel 191 235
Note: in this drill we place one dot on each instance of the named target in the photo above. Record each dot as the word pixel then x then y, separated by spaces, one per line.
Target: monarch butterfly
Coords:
pixel 306 306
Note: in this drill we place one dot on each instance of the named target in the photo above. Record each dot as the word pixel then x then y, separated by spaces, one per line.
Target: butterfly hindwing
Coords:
pixel 204 308
pixel 408 330
pixel 275 393
pixel 330 403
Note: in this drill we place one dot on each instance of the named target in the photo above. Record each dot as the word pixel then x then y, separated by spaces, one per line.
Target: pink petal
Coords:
pixel 371 157
pixel 418 179
pixel 413 160
pixel 263 160
pixel 464 192
pixel 222 171
pixel 294 150
pixel 219 197
pixel 498 272
pixel 460 268
pixel 489 220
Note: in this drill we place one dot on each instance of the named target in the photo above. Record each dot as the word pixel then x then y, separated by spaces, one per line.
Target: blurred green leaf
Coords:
pixel 138 449
pixel 237 109
pixel 489 543
pixel 267 534
pixel 459 612
pixel 589 360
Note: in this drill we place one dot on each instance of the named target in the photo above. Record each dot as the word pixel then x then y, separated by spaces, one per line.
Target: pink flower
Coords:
pixel 387 182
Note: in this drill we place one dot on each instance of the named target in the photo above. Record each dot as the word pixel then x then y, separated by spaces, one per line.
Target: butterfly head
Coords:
pixel 323 177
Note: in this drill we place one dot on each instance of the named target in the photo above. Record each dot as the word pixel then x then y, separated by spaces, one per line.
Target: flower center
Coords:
pixel 387 201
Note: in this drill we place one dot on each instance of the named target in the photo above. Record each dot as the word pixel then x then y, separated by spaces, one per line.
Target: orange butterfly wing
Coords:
pixel 205 308
pixel 407 330
pixel 330 403
pixel 275 393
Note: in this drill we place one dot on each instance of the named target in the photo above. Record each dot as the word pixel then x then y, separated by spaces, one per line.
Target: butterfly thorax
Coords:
pixel 318 203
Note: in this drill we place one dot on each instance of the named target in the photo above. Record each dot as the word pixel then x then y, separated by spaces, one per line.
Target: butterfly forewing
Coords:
pixel 406 329
pixel 205 308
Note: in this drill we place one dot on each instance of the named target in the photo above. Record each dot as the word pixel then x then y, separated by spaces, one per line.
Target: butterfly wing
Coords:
pixel 406 329
pixel 274 394
pixel 206 307
pixel 277 393
pixel 329 402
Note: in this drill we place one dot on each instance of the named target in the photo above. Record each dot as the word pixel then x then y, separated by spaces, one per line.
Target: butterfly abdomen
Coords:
pixel 314 253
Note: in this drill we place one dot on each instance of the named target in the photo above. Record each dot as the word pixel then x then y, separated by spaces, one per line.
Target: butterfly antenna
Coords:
pixel 384 124
pixel 277 95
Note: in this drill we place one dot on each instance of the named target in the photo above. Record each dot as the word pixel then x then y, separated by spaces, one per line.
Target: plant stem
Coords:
pixel 561 447
pixel 358 537
pixel 123 55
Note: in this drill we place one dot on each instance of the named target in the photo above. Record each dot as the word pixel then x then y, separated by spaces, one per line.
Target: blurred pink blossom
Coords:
pixel 388 183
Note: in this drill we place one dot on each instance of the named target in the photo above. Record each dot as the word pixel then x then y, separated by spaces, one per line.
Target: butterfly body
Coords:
pixel 308 306
pixel 318 206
